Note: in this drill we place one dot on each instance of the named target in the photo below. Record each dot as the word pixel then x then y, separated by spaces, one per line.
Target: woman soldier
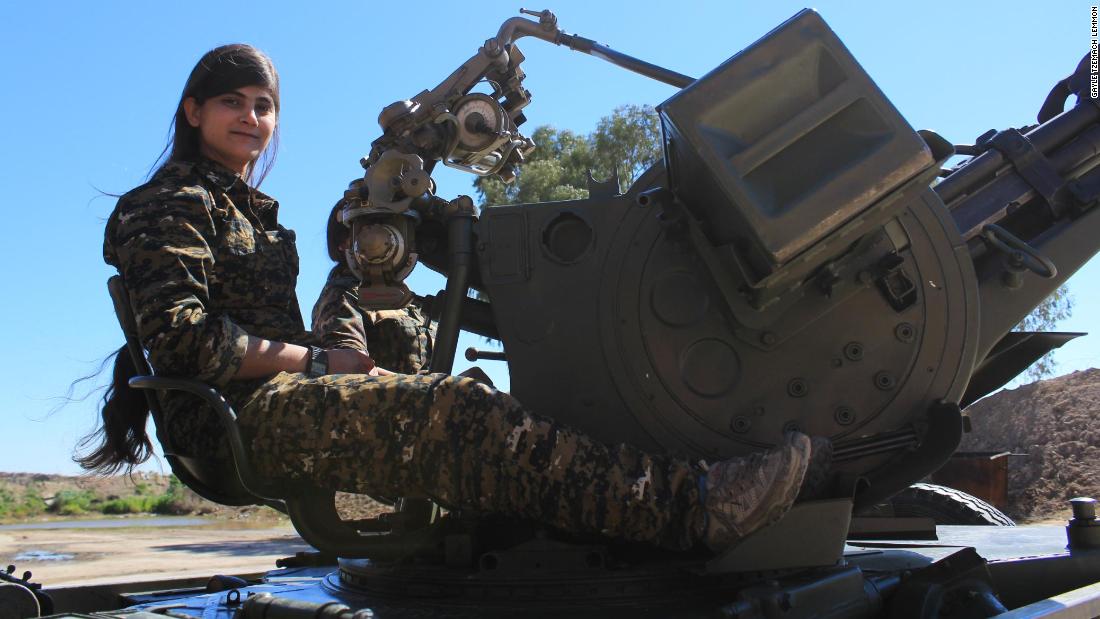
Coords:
pixel 211 277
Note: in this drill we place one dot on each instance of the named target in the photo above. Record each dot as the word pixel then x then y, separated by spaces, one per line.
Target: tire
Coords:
pixel 947 506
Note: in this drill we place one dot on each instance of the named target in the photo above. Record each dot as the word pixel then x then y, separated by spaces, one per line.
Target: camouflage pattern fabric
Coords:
pixel 206 264
pixel 397 340
pixel 467 446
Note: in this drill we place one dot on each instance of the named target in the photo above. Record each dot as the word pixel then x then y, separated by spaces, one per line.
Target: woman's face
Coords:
pixel 234 127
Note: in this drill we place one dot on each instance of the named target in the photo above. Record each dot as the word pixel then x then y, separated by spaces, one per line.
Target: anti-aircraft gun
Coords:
pixel 801 258
pixel 787 266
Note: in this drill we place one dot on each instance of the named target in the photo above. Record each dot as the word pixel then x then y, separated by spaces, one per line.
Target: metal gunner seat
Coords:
pixel 312 509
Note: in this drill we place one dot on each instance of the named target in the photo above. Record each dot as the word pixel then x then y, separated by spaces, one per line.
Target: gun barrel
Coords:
pixel 1045 137
pixel 991 188
pixel 988 202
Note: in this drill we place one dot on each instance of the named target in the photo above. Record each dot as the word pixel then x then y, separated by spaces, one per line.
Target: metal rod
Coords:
pixel 460 231
pixel 546 29
pixel 626 61
pixel 473 354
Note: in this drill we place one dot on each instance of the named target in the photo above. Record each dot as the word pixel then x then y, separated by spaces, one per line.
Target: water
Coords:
pixel 113 523
pixel 42 555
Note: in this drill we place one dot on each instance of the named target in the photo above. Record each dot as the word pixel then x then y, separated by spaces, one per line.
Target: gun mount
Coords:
pixel 788 265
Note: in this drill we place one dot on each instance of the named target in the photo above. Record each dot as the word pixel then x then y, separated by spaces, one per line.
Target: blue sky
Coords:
pixel 89 89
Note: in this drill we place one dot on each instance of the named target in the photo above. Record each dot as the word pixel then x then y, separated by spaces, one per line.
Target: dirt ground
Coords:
pixel 1053 428
pixel 236 540
pixel 149 553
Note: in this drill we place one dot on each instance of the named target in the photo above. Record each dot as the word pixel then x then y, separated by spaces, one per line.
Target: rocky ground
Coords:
pixel 1054 426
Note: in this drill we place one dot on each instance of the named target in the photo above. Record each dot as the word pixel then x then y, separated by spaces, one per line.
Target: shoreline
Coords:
pixel 63 557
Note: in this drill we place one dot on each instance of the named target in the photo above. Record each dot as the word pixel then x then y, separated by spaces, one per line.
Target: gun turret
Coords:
pixel 791 264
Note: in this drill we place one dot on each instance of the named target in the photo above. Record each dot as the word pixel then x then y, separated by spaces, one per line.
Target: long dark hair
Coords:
pixel 219 71
pixel 121 442
pixel 336 234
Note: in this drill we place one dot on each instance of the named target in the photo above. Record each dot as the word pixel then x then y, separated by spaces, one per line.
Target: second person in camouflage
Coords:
pixel 398 340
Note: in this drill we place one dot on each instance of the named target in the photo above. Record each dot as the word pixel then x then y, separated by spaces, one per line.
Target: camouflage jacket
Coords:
pixel 206 264
pixel 398 340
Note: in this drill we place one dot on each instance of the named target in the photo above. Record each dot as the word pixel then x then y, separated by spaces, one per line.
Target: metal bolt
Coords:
pixel 1084 508
pixel 853 351
pixel 844 415
pixel 905 332
pixel 768 338
pixel 790 426
pixel 741 424
pixel 1012 280
pixel 885 380
pixel 797 388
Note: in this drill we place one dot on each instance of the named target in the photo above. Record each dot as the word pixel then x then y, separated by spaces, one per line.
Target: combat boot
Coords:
pixel 747 493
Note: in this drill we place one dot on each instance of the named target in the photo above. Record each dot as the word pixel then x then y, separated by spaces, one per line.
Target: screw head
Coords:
pixel 885 380
pixel 905 332
pixel 844 415
pixel 740 424
pixel 797 388
pixel 853 351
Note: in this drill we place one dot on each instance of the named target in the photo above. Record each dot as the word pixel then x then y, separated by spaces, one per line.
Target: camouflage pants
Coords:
pixel 467 446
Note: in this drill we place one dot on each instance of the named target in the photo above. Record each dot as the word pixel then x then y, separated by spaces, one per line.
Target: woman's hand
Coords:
pixel 350 361
pixel 266 358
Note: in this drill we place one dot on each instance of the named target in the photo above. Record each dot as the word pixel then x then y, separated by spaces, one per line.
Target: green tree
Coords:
pixel 1056 308
pixel 626 142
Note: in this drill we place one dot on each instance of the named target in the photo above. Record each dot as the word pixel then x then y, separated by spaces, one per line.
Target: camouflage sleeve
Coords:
pixel 399 339
pixel 337 320
pixel 161 246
